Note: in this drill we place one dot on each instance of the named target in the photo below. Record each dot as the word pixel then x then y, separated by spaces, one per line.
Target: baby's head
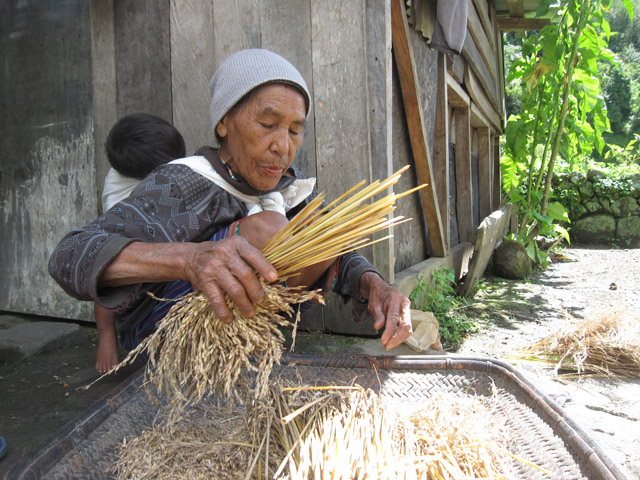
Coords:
pixel 140 142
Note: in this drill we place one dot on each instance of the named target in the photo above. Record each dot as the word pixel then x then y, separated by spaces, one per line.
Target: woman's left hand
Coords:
pixel 390 309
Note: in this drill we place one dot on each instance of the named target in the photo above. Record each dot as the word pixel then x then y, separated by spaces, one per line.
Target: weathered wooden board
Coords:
pixel 405 62
pixel 492 230
pixel 464 205
pixel 476 62
pixel 103 72
pixel 497 175
pixel 485 153
pixel 192 65
pixel 458 259
pixel 457 95
pixel 480 36
pixel 482 10
pixel 441 145
pixel 342 138
pixel 478 95
pixel 47 174
pixel 509 24
pixel 286 30
pixel 379 106
pixel 143 61
pixel 409 238
pixel 236 26
pixel 456 65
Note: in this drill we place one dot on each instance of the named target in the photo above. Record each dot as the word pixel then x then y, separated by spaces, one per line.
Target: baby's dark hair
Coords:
pixel 139 142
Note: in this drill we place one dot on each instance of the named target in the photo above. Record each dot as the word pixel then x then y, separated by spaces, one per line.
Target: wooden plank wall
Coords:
pixel 47 184
pixel 471 85
pixel 157 56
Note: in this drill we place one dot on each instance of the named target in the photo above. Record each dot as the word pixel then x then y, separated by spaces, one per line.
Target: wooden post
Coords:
pixel 485 150
pixel 441 146
pixel 403 55
pixel 497 177
pixel 463 173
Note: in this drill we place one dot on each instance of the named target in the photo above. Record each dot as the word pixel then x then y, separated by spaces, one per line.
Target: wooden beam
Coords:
pixel 509 24
pixel 477 94
pixel 464 210
pixel 516 8
pixel 403 54
pixel 441 145
pixel 485 150
pixel 455 67
pixel 457 96
pixel 478 120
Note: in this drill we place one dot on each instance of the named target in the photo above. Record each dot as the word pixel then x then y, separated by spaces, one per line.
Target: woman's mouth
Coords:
pixel 273 171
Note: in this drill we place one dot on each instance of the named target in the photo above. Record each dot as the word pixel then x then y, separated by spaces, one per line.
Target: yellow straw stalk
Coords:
pixel 606 344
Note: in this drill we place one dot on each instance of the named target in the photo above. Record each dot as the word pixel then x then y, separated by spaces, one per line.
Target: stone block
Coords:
pixel 594 229
pixel 625 207
pixel 628 231
pixel 28 338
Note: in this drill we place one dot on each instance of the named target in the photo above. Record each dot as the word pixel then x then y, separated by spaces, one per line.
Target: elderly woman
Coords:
pixel 202 220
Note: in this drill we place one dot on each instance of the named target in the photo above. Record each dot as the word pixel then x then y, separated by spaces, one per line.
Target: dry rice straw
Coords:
pixel 193 353
pixel 606 344
pixel 330 432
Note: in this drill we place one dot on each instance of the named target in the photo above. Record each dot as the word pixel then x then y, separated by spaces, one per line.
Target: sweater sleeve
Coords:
pixel 173 204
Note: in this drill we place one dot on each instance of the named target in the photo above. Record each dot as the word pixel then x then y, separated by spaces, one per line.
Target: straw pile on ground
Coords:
pixel 607 344
pixel 193 353
pixel 328 432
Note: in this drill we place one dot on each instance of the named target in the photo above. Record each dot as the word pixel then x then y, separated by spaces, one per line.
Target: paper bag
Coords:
pixel 425 332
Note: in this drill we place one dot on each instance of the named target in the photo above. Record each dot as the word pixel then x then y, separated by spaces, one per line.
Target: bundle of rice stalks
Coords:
pixel 193 353
pixel 607 344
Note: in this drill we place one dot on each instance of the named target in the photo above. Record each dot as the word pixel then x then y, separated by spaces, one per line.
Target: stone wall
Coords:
pixel 602 210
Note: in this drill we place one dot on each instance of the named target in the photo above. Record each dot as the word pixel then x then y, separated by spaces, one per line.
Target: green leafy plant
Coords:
pixel 439 298
pixel 563 114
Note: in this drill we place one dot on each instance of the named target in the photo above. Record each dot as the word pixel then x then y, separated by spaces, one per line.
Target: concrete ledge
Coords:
pixel 28 338
pixel 458 259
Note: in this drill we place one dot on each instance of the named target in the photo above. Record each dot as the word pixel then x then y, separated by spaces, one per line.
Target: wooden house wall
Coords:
pixel 47 176
pixel 158 56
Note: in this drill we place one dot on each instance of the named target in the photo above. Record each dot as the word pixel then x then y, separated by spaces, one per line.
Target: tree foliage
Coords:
pixel 563 112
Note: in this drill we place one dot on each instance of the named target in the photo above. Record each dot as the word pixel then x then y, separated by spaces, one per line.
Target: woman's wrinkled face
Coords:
pixel 263 133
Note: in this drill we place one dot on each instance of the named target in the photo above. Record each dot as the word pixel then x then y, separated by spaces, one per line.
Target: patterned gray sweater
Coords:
pixel 173 204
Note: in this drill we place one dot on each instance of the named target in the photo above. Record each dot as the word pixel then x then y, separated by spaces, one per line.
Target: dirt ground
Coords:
pixel 40 395
pixel 590 283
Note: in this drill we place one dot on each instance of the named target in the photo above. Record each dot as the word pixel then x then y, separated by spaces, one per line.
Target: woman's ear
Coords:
pixel 221 128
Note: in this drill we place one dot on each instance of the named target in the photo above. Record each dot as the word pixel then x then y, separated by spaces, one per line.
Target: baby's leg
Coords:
pixel 107 354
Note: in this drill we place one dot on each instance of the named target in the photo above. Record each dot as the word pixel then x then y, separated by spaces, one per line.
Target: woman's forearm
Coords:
pixel 141 262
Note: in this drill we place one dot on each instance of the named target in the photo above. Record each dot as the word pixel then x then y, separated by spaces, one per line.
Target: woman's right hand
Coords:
pixel 228 266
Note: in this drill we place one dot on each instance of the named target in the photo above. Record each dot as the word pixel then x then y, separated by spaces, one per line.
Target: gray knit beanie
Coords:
pixel 245 70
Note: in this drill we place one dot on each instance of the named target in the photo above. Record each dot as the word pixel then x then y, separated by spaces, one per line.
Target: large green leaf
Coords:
pixel 557 211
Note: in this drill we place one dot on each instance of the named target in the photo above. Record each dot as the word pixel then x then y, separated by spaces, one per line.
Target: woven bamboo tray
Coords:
pixel 86 448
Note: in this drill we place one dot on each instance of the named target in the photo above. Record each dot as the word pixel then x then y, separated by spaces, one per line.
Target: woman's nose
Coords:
pixel 280 141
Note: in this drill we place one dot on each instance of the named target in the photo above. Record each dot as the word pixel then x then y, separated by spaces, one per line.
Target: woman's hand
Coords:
pixel 229 266
pixel 390 309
